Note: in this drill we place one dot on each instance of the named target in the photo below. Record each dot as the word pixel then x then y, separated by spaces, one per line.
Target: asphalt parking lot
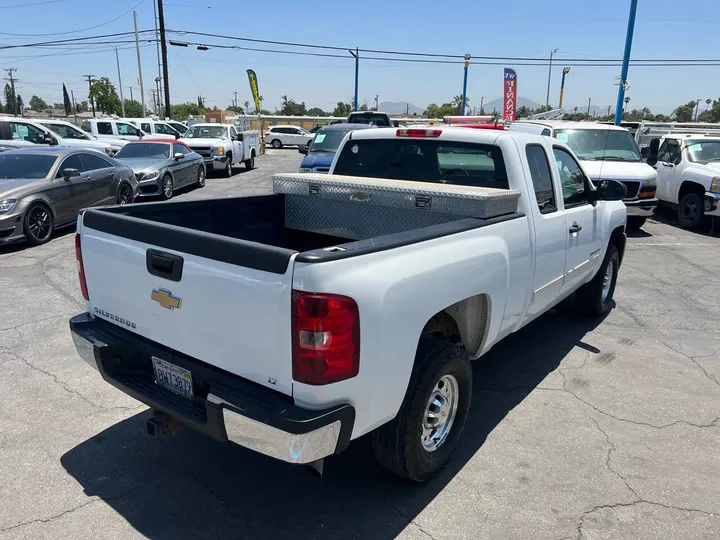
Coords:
pixel 593 430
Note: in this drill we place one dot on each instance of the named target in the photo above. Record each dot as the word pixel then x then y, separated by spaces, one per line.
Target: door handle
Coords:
pixel 575 228
pixel 164 265
pixel 86 177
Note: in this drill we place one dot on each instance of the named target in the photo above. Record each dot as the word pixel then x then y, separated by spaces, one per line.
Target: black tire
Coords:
pixel 398 445
pixel 635 223
pixel 276 144
pixel 38 224
pixel 228 166
pixel 250 163
pixel 167 188
pixel 125 194
pixel 590 297
pixel 201 176
pixel 690 211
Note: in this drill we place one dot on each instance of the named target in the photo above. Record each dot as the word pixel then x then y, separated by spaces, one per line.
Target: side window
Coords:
pixel 180 149
pixel 669 151
pixel 546 132
pixel 85 126
pixel 26 132
pixel 233 132
pixel 541 178
pixel 145 128
pixel 93 162
pixel 164 129
pixel 126 129
pixel 572 178
pixel 104 128
pixel 70 162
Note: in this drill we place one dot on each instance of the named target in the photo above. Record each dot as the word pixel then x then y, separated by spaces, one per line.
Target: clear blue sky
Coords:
pixel 579 28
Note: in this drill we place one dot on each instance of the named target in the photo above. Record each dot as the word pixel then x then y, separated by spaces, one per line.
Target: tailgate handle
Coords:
pixel 164 265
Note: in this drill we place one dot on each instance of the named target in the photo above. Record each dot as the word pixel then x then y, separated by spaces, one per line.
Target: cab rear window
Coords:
pixel 419 160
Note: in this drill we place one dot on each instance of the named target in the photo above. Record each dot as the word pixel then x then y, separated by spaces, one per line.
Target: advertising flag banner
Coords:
pixel 510 95
pixel 254 88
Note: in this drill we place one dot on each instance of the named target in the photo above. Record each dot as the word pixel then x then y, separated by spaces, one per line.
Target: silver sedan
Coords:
pixel 45 188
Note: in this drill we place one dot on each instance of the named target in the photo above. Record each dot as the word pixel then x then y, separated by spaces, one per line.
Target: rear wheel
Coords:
pixel 167 187
pixel 125 194
pixel 690 211
pixel 250 163
pixel 276 143
pixel 228 166
pixel 428 427
pixel 38 224
pixel 634 223
pixel 200 177
pixel 595 297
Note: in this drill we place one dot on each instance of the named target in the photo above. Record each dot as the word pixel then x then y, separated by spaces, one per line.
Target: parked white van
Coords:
pixel 606 152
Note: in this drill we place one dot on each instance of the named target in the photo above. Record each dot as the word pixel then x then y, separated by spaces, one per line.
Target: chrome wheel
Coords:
pixel 440 412
pixel 167 187
pixel 125 196
pixel 607 280
pixel 201 177
pixel 39 224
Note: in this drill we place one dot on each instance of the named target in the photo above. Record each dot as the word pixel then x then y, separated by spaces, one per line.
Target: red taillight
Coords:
pixel 81 268
pixel 414 132
pixel 326 338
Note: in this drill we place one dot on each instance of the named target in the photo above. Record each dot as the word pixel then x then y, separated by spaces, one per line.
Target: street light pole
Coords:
pixel 566 70
pixel 464 99
pixel 547 99
pixel 626 62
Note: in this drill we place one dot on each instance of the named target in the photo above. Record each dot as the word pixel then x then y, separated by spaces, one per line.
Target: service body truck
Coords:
pixel 222 146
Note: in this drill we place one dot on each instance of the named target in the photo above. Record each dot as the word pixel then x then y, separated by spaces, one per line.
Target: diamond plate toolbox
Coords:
pixel 359 208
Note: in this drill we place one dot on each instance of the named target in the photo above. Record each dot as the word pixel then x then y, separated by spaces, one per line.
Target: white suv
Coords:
pixel 279 136
pixel 20 133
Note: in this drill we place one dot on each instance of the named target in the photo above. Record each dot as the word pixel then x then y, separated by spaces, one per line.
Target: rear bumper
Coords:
pixel 226 407
pixel 641 207
pixel 712 204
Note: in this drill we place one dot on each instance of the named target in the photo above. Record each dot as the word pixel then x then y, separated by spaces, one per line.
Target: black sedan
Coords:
pixel 45 188
pixel 162 166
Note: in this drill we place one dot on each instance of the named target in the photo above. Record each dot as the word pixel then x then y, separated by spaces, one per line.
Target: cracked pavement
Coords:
pixel 578 430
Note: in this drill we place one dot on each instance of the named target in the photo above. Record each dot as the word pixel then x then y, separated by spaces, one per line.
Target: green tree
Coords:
pixel 457 103
pixel 363 107
pixel 317 111
pixel 236 110
pixel 685 113
pixel 83 106
pixel 20 106
pixel 133 108
pixel 182 111
pixel 67 104
pixel 37 103
pixel 291 108
pixel 342 109
pixel 523 112
pixel 435 111
pixel 105 96
pixel 9 100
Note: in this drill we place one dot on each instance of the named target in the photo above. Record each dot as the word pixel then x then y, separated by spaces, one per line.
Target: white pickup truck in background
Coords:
pixel 223 146
pixel 688 175
pixel 348 303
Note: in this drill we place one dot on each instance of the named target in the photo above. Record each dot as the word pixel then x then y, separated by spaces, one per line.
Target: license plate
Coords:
pixel 172 377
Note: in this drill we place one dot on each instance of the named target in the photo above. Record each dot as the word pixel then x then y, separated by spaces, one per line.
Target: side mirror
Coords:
pixel 609 190
pixel 239 137
pixel 49 139
pixel 177 136
pixel 178 155
pixel 67 174
pixel 303 149
pixel 653 152
pixel 396 123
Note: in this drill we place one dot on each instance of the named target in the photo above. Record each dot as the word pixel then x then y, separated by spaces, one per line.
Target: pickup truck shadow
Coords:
pixel 188 486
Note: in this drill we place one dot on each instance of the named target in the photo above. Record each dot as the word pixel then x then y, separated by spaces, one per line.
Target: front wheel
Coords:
pixel 634 223
pixel 428 427
pixel 690 211
pixel 228 166
pixel 38 224
pixel 595 297
pixel 167 187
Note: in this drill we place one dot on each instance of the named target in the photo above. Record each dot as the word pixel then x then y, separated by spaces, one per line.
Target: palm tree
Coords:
pixel 457 103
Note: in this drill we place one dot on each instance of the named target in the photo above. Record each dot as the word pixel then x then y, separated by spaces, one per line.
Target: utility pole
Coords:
pixel 122 100
pixel 547 99
pixel 377 105
pixel 92 101
pixel 609 110
pixel 407 109
pixel 12 80
pixel 482 99
pixel 157 47
pixel 235 99
pixel 464 99
pixel 131 96
pixel 72 96
pixel 626 63
pixel 356 55
pixel 163 49
pixel 140 79
pixel 589 101
pixel 153 93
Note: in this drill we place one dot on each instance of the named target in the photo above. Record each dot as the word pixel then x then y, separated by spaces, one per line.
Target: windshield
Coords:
pixel 144 150
pixel 600 144
pixel 327 141
pixel 68 132
pixel 206 132
pixel 376 119
pixel 422 160
pixel 703 151
pixel 25 165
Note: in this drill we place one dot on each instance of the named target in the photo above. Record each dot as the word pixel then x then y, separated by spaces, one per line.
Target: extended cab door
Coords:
pixel 127 131
pixel 669 158
pixel 584 235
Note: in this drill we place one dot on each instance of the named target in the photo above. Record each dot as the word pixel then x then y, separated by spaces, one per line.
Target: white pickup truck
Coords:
pixel 688 175
pixel 222 146
pixel 348 303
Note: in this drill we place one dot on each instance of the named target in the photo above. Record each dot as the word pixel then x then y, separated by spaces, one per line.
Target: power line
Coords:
pixel 32 4
pixel 72 40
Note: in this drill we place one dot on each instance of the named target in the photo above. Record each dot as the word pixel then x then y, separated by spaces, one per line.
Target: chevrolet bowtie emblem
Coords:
pixel 166 299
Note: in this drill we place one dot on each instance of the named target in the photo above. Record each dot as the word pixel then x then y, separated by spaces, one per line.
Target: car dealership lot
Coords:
pixel 604 430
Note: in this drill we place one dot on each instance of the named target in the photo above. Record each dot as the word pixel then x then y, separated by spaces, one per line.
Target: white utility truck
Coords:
pixel 605 152
pixel 688 175
pixel 222 146
pixel 347 303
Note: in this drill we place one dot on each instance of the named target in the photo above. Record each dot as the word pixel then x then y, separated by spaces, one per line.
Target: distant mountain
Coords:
pixel 497 104
pixel 399 107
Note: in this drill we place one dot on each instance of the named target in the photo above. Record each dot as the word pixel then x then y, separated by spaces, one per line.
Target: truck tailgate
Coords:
pixel 221 300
